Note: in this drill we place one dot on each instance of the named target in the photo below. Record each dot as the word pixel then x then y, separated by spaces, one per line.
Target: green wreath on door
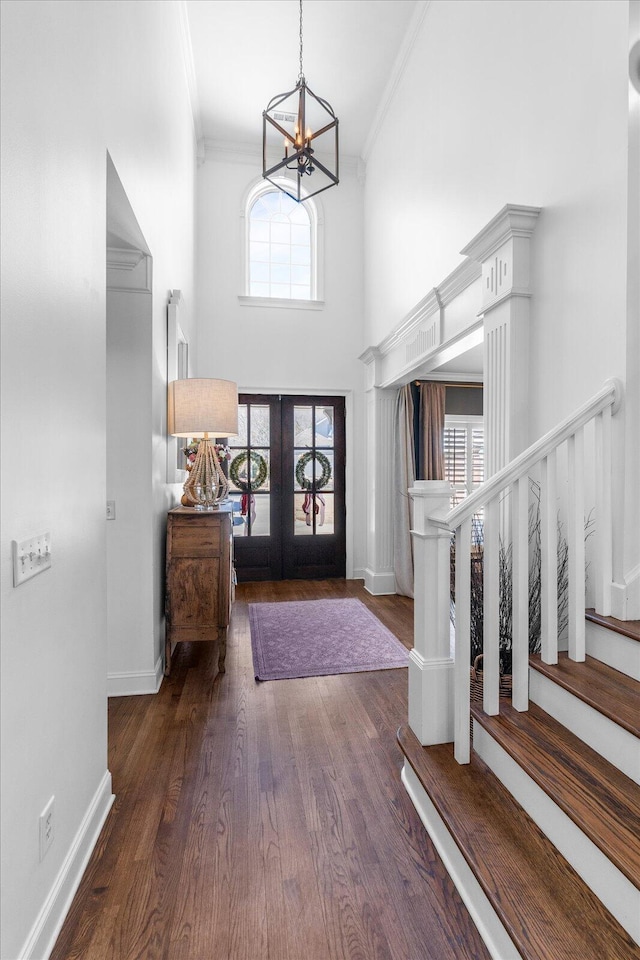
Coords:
pixel 325 476
pixel 257 461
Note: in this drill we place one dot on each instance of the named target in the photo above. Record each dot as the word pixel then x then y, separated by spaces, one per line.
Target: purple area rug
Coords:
pixel 316 638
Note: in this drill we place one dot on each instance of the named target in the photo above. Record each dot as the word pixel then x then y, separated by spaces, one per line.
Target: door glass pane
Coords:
pixel 302 515
pixel 251 515
pixel 302 433
pixel 261 514
pixel 324 470
pixel 324 426
pixel 312 507
pixel 324 513
pixel 240 440
pixel 259 426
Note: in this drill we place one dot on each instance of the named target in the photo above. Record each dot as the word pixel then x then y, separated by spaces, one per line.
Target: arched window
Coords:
pixel 281 247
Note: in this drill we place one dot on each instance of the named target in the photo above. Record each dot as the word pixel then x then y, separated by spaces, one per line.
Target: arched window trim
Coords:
pixel 316 220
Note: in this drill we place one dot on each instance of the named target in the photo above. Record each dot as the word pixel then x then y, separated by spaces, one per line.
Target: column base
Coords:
pixel 431 699
pixel 379 584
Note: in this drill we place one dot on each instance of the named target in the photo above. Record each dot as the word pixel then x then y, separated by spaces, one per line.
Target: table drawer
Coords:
pixel 193 539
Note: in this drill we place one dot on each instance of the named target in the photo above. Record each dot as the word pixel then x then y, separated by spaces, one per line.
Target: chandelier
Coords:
pixel 305 127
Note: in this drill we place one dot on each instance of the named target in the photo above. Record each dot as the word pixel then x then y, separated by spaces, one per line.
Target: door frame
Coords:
pixel 349 451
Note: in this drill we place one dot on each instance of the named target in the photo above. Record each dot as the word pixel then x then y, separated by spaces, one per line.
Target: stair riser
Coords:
pixel 621 653
pixel 612 742
pixel 497 940
pixel 615 891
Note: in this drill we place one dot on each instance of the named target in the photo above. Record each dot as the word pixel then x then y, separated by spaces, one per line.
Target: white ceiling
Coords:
pixel 247 51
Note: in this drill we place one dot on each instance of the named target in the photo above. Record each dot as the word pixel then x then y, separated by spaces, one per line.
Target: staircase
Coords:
pixel 541 829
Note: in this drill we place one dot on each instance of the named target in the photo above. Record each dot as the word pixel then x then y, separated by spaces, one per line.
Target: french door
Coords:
pixel 287 486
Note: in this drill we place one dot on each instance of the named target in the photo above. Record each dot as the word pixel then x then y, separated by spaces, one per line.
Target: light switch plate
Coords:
pixel 111 509
pixel 30 557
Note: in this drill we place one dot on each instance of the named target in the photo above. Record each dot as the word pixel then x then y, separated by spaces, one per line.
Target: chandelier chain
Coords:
pixel 301 74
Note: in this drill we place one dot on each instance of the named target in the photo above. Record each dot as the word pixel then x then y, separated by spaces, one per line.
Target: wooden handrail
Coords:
pixel 609 395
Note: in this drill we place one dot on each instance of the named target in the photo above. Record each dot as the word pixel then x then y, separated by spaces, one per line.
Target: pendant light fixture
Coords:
pixel 302 130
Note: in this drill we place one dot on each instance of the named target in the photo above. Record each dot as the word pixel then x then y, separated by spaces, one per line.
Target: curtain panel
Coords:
pixel 419 455
pixel 404 477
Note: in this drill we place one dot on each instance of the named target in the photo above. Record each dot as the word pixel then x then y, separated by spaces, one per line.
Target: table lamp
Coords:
pixel 203 409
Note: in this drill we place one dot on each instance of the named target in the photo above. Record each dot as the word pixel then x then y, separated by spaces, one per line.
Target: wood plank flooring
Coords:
pixel 266 821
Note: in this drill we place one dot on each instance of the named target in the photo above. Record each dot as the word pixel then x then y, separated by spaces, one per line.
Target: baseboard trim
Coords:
pixel 130 684
pixel 45 930
pixel 379 584
pixel 498 942
pixel 625 597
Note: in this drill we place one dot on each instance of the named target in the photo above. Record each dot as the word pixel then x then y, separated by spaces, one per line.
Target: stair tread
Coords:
pixel 628 628
pixel 547 910
pixel 601 800
pixel 608 691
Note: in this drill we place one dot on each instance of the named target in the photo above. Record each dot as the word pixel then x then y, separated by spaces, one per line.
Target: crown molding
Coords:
pixel 397 72
pixel 370 355
pixel 436 299
pixel 429 305
pixel 119 258
pixel 512 221
pixel 458 280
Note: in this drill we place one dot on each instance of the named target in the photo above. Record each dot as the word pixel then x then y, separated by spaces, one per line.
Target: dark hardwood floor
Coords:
pixel 265 821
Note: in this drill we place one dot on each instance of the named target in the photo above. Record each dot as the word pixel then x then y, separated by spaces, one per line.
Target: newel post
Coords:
pixel 431 691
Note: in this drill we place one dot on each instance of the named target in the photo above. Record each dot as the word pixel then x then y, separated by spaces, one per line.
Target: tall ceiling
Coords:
pixel 247 51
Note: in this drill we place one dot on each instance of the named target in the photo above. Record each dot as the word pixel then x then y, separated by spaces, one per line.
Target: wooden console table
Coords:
pixel 199 578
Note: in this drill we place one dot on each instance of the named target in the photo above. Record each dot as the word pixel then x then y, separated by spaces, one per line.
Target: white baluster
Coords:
pixel 604 546
pixel 549 571
pixel 520 582
pixel 575 533
pixel 463 642
pixel 491 599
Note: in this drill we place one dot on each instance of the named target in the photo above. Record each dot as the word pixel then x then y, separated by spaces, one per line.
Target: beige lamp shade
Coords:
pixel 197 406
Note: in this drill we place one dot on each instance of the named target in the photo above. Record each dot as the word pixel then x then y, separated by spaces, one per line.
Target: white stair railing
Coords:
pixel 512 483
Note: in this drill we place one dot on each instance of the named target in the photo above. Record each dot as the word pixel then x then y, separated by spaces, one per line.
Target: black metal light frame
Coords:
pixel 303 160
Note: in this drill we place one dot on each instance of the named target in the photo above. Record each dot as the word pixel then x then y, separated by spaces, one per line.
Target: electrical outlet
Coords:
pixel 47 827
pixel 30 557
pixel 111 509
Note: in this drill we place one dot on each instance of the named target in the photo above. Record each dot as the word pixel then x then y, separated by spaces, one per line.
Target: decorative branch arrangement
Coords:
pixel 505 575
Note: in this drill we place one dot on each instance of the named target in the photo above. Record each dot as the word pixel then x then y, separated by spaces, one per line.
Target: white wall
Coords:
pixel 285 350
pixel 78 79
pixel 131 646
pixel 522 102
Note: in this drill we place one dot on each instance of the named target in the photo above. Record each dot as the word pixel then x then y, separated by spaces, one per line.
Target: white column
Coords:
pixel 381 406
pixel 503 249
pixel 431 673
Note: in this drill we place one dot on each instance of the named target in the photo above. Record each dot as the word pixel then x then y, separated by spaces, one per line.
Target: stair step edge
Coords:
pixel 613 694
pixel 545 907
pixel 601 800
pixel 627 628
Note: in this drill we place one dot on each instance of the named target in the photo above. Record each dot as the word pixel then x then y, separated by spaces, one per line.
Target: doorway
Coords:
pixel 287 479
